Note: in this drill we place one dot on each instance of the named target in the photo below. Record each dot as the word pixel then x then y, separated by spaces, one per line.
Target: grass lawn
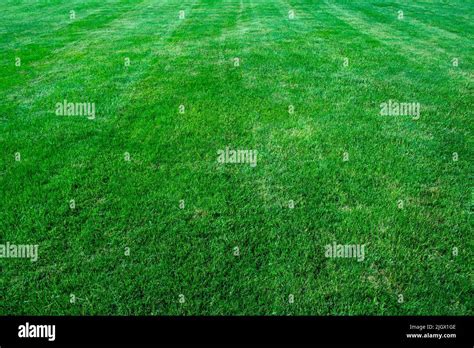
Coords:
pixel 133 211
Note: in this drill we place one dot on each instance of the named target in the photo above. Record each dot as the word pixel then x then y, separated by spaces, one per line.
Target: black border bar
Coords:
pixel 327 330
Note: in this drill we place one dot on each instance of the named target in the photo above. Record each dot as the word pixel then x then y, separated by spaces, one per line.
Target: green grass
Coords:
pixel 190 251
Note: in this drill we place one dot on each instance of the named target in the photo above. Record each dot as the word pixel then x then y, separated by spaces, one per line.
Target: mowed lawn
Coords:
pixel 172 231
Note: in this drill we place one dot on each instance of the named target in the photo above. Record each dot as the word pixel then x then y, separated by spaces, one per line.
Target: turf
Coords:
pixel 405 192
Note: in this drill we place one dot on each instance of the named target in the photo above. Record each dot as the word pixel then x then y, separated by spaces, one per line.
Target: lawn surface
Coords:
pixel 400 186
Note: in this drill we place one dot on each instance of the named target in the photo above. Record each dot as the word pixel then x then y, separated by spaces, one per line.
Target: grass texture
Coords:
pixel 172 231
